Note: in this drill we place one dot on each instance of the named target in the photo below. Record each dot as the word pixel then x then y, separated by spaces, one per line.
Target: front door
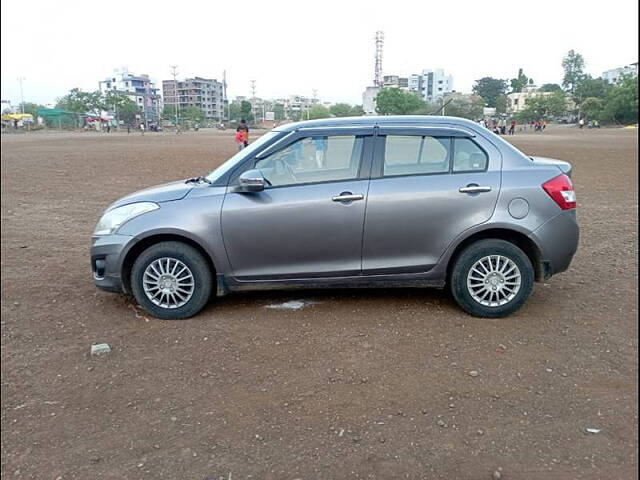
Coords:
pixel 308 222
pixel 425 190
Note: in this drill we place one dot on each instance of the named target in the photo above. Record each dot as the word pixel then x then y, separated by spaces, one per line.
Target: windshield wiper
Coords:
pixel 198 180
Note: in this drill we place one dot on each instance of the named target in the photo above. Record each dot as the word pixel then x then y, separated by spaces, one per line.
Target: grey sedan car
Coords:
pixel 418 201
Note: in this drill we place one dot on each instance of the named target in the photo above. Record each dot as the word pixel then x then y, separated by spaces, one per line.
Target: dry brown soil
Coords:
pixel 358 384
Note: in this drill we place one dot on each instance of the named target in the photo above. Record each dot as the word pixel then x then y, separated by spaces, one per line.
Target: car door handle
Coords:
pixel 347 197
pixel 473 188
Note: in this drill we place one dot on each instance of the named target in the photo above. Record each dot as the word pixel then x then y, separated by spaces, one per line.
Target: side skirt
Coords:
pixel 227 285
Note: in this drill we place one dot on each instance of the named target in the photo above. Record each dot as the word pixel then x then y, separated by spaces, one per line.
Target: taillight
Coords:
pixel 561 190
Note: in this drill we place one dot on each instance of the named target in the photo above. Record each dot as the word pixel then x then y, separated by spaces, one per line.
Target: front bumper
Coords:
pixel 558 240
pixel 107 255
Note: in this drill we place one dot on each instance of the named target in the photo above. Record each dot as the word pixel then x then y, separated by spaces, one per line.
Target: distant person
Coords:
pixel 544 124
pixel 241 138
pixel 244 128
pixel 108 128
pixel 142 129
pixel 321 148
pixel 512 128
pixel 596 124
pixel 128 128
pixel 581 123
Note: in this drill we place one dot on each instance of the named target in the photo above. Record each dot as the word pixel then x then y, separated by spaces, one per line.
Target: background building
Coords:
pixel 517 100
pixel 204 93
pixel 369 100
pixel 394 81
pixel 614 75
pixel 431 85
pixel 141 89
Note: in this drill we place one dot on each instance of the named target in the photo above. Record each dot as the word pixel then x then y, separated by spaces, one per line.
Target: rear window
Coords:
pixel 415 155
pixel 468 156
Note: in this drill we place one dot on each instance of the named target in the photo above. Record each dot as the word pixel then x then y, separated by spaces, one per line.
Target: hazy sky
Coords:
pixel 294 47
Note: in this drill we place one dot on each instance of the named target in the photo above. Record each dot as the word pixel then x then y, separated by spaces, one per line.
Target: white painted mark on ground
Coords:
pixel 290 305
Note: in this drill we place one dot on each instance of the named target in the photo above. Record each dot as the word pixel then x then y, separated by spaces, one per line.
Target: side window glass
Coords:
pixel 468 156
pixel 415 155
pixel 314 159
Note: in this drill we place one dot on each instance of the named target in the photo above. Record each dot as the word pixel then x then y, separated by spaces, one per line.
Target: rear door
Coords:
pixel 427 187
pixel 308 223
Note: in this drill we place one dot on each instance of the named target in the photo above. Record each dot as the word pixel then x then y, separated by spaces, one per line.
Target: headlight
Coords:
pixel 113 219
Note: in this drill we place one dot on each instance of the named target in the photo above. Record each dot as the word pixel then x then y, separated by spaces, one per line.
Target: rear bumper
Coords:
pixel 107 254
pixel 558 241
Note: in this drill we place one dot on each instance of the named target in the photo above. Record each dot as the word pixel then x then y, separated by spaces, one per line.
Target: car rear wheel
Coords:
pixel 171 280
pixel 491 278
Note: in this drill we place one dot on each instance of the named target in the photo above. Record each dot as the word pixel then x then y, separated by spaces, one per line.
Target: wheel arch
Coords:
pixel 519 239
pixel 154 239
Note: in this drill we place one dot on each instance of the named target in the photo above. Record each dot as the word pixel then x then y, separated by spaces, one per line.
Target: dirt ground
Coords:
pixel 357 384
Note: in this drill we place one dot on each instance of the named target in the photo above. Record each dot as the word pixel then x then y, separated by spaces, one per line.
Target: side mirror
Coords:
pixel 252 181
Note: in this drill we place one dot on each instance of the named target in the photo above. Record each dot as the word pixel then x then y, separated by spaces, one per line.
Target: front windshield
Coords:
pixel 241 155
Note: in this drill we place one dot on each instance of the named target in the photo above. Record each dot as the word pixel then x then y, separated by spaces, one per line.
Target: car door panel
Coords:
pixel 298 231
pixel 412 219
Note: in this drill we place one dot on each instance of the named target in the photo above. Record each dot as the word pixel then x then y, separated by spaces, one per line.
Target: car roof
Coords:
pixel 387 120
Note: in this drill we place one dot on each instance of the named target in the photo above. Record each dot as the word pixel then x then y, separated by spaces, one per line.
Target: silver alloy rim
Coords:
pixel 494 280
pixel 168 282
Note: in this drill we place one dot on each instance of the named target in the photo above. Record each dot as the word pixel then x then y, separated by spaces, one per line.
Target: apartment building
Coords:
pixel 207 94
pixel 431 85
pixel 614 75
pixel 140 88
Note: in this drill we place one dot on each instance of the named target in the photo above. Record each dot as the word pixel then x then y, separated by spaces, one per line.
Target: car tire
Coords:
pixel 171 280
pixel 491 278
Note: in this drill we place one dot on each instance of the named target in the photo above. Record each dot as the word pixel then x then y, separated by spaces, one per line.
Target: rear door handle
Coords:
pixel 473 188
pixel 347 197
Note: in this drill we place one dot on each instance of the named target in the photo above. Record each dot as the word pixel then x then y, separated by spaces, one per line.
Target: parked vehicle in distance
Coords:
pixel 420 201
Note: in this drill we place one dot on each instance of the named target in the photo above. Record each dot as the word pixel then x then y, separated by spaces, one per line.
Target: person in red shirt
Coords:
pixel 242 135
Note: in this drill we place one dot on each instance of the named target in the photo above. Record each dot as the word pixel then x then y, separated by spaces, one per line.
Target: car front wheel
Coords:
pixel 492 278
pixel 171 280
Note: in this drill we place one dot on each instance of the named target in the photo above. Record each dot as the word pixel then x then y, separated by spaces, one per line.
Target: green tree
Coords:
pixel 357 111
pixel 550 87
pixel 592 87
pixel 127 111
pixel 192 114
pixel 393 101
pixel 296 115
pixel 518 83
pixel 502 102
pixel 490 88
pixel 573 65
pixel 621 103
pixel 544 107
pixel 465 106
pixel 278 111
pixel 124 108
pixel 317 111
pixel 592 108
pixel 168 112
pixel 245 111
pixel 82 102
pixel 234 111
pixel 30 108
pixel 341 110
